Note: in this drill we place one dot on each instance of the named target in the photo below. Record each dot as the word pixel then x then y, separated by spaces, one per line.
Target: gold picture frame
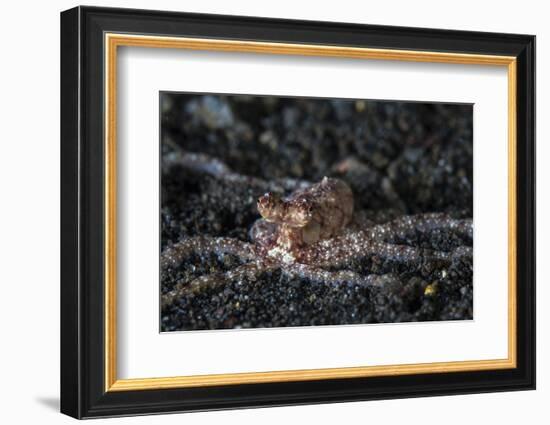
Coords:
pixel 114 41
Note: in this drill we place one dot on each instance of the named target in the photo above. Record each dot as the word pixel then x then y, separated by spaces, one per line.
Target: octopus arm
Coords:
pixel 246 272
pixel 409 226
pixel 320 276
pixel 341 251
pixel 206 165
pixel 204 245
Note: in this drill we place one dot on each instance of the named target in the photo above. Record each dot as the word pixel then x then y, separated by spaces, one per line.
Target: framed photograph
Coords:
pixel 261 212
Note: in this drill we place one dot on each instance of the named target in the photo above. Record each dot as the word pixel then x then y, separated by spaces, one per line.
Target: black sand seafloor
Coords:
pixel 406 158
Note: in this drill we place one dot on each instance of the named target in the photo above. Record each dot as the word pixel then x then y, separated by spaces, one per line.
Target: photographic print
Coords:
pixel 289 211
pixel 289 204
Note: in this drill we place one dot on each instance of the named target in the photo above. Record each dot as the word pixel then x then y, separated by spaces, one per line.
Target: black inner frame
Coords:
pixel 82 212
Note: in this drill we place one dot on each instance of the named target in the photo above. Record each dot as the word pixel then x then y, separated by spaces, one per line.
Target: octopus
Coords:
pixel 318 212
pixel 313 234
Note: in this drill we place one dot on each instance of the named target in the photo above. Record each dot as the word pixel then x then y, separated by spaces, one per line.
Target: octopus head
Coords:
pixel 294 213
pixel 270 207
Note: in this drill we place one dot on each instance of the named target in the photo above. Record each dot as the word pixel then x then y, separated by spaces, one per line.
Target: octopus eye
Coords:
pixel 267 204
pixel 265 200
pixel 304 211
